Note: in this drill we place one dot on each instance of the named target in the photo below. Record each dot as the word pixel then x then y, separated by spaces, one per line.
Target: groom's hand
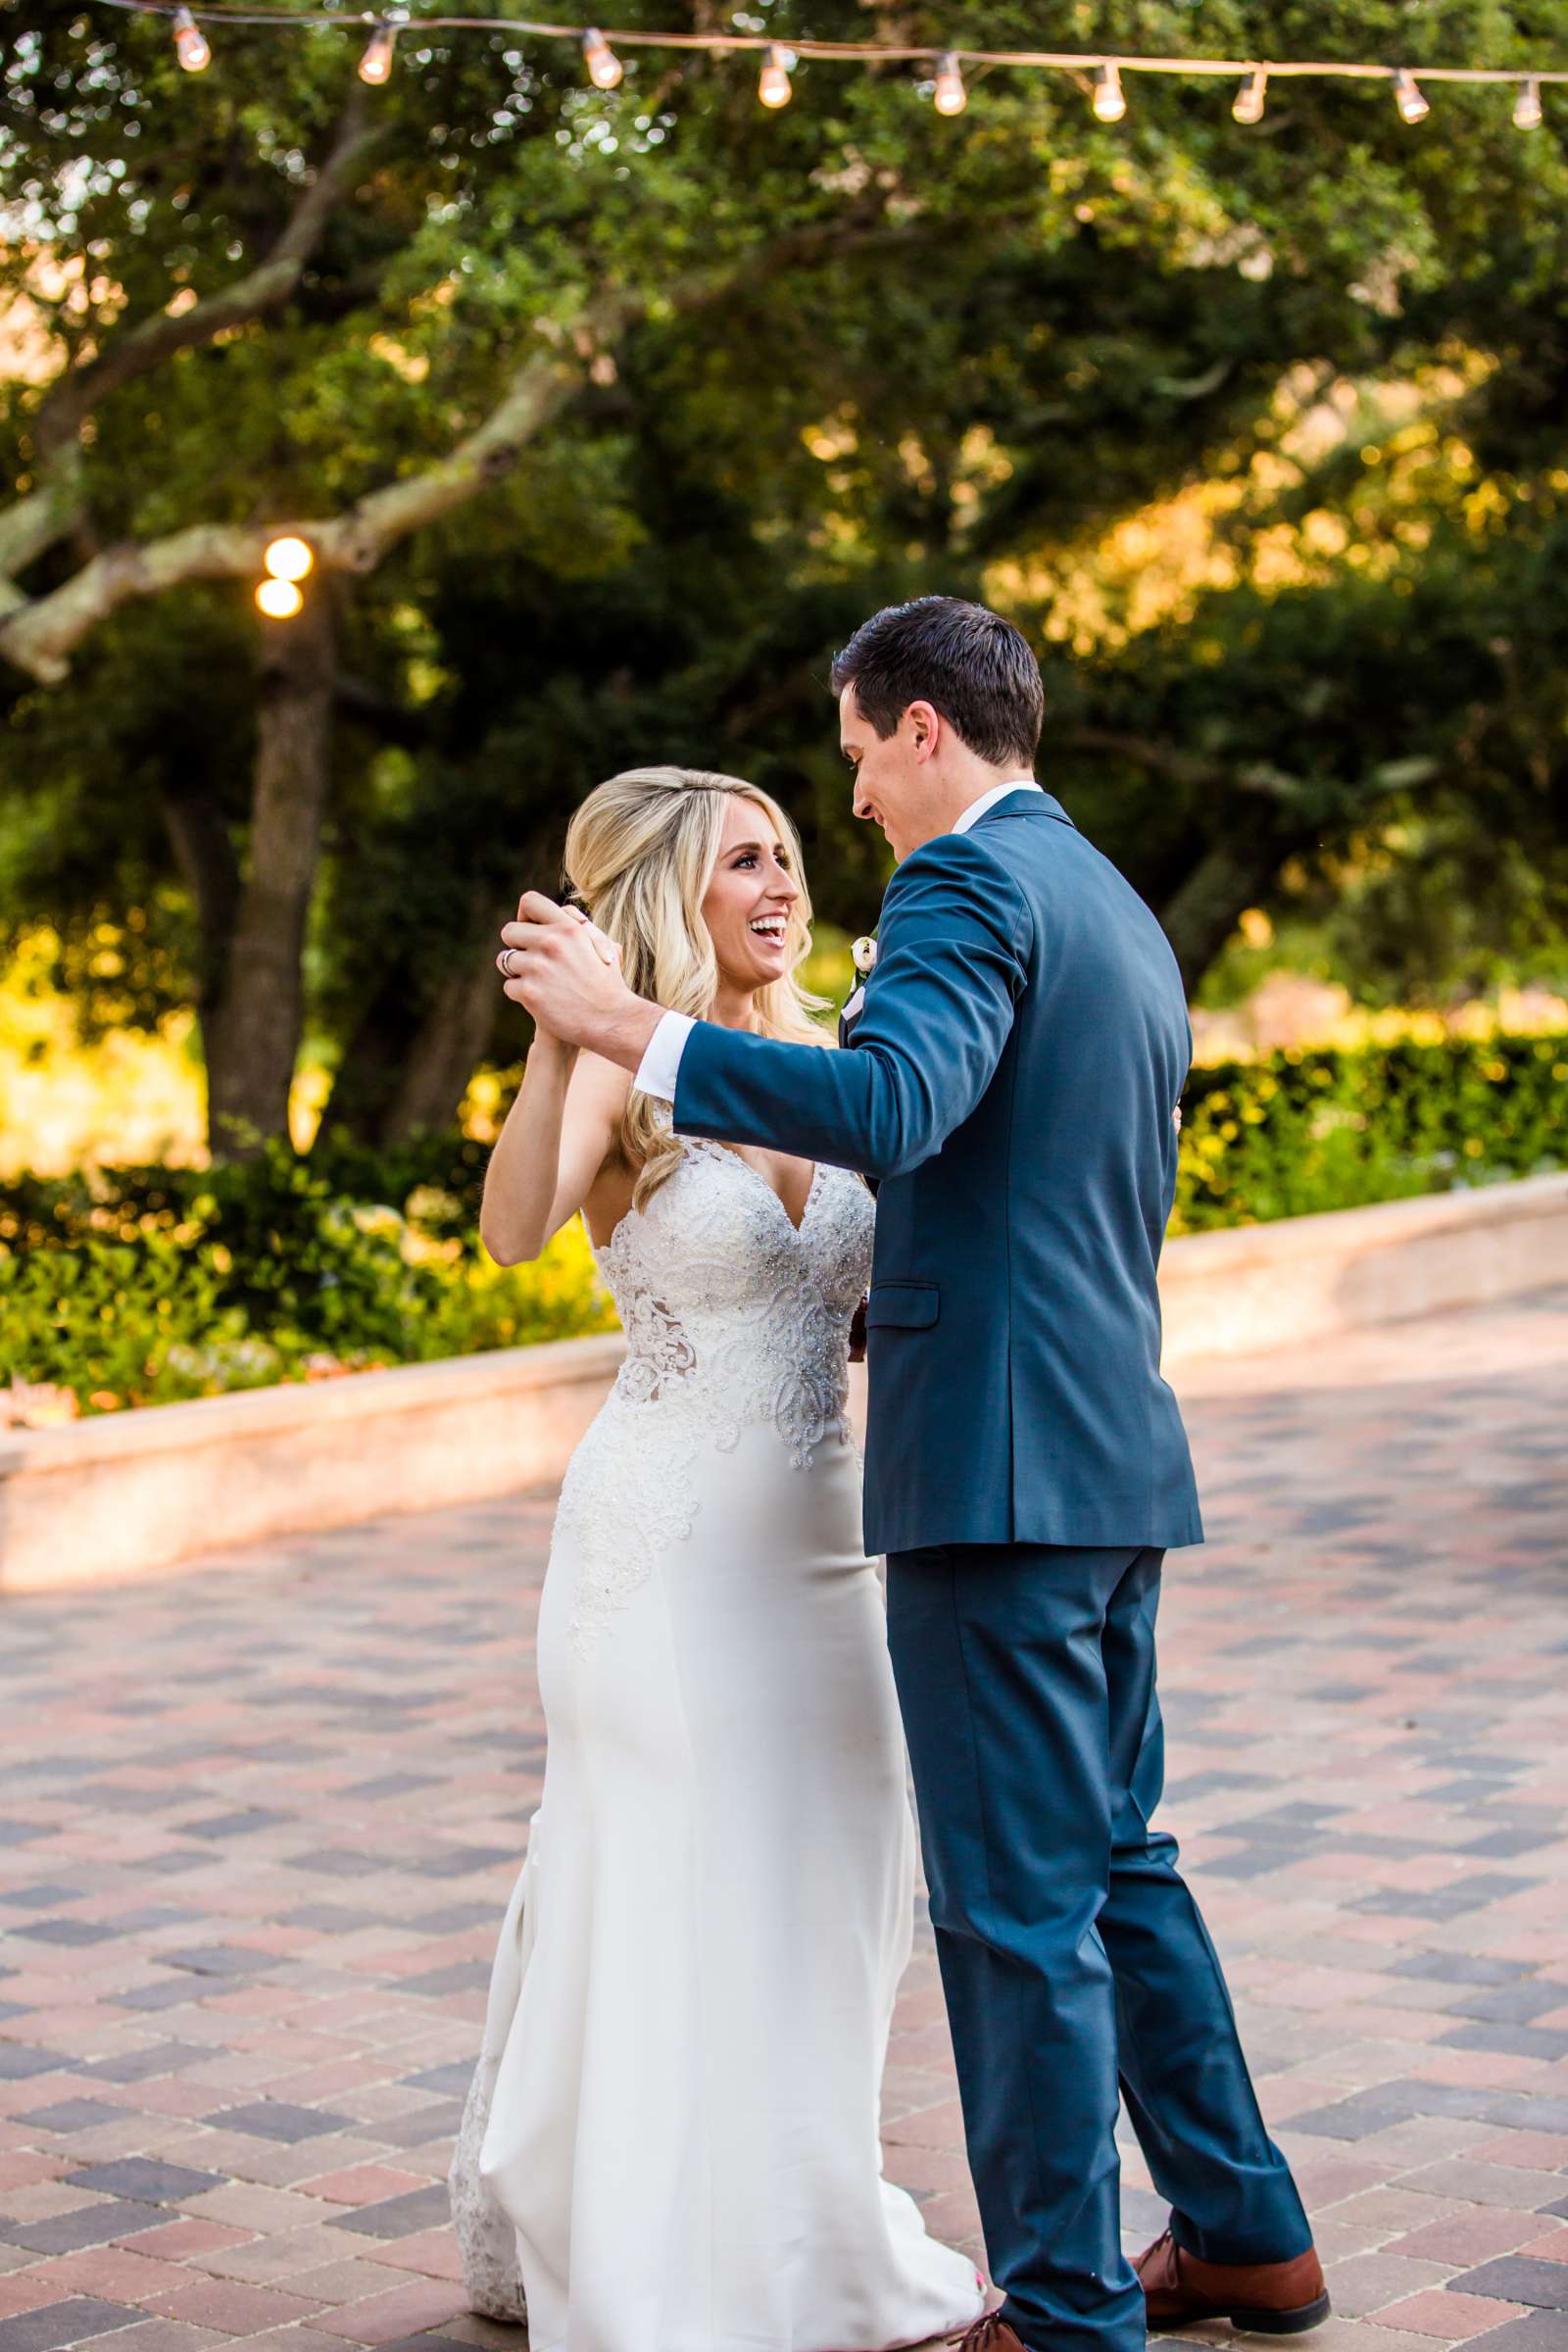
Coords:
pixel 554 963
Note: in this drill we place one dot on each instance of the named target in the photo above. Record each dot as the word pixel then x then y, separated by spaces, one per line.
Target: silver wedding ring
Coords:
pixel 507 964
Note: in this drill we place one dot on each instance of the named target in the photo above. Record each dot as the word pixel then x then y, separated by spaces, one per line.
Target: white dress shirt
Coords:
pixel 660 1068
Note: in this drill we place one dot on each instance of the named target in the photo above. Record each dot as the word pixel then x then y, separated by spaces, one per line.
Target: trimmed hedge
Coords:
pixel 147 1285
pixel 1336 1128
pixel 143 1285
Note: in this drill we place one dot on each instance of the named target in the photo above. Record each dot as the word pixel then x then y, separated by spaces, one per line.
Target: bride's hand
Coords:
pixel 546 1044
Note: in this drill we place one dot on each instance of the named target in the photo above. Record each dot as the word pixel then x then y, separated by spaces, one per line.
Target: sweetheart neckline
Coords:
pixel 710 1144
pixel 602 1249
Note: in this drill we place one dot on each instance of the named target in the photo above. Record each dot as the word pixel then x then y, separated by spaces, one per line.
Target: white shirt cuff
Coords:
pixel 659 1070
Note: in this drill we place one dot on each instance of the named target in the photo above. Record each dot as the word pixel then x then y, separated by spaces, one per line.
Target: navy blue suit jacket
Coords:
pixel 1010 1081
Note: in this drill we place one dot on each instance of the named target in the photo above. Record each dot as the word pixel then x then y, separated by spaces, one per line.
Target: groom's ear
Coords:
pixel 924 723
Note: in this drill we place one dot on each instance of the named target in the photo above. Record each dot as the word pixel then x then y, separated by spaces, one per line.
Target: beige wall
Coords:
pixel 125 1496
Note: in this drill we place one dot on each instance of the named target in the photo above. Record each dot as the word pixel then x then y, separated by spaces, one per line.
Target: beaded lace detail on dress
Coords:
pixel 734 1317
pixel 487 2242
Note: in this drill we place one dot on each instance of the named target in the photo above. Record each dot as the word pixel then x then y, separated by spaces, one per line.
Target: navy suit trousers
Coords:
pixel 1072 1954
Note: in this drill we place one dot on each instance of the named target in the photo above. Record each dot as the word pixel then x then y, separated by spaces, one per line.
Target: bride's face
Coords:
pixel 749 899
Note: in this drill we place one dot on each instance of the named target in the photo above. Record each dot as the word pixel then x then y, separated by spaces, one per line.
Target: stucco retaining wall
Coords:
pixel 126 1494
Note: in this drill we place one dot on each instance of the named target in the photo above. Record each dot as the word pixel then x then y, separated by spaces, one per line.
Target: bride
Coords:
pixel 671 2140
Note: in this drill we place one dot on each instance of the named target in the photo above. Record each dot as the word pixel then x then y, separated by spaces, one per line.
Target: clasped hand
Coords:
pixel 562 969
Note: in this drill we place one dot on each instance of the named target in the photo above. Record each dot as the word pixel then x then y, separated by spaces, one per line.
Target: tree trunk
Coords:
pixel 253 1038
pixel 409 1059
pixel 204 856
pixel 407 1065
pixel 457 1028
pixel 400 1070
pixel 1202 913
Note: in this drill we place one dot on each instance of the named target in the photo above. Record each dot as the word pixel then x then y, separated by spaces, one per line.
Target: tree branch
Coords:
pixel 50 511
pixel 39 636
pixel 142 348
pixel 34 522
pixel 1160 759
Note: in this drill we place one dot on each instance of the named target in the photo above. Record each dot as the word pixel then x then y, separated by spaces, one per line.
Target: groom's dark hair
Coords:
pixel 968 663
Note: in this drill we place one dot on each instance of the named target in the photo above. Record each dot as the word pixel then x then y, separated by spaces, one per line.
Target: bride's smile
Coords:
pixel 750 906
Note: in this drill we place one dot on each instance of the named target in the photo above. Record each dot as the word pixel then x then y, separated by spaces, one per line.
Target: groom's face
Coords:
pixel 895 784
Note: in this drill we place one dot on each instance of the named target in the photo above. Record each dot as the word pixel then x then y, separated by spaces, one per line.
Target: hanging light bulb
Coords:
pixel 605 68
pixel 1527 110
pixel 190 44
pixel 289 558
pixel 279 599
pixel 1412 106
pixel 375 66
pixel 774 82
pixel 950 95
pixel 1248 106
pixel 1111 102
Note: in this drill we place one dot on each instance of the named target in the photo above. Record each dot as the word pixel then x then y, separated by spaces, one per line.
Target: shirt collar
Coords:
pixel 988 800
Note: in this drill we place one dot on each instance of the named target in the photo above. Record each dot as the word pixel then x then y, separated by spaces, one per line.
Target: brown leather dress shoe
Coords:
pixel 1267 2298
pixel 988 2333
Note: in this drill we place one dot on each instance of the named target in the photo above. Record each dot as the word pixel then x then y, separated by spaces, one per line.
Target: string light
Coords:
pixel 950 95
pixel 279 599
pixel 605 68
pixel 774 87
pixel 774 82
pixel 289 558
pixel 190 46
pixel 375 66
pixel 1526 111
pixel 1249 98
pixel 1110 103
pixel 1413 107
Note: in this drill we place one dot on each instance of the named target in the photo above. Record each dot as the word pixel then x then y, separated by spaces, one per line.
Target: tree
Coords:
pixel 607 415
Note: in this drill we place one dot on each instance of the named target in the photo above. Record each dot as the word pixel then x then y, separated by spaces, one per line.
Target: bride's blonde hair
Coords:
pixel 640 854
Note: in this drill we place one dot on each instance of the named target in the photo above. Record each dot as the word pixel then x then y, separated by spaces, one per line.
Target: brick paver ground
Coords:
pixel 260 1819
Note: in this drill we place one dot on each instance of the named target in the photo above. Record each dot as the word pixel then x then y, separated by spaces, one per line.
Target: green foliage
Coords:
pixel 141 1286
pixel 881 354
pixel 1304 1131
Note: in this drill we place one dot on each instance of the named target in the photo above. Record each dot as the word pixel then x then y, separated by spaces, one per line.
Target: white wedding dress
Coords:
pixel 671 2140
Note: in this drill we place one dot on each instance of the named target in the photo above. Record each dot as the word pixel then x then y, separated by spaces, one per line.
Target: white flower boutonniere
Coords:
pixel 863 955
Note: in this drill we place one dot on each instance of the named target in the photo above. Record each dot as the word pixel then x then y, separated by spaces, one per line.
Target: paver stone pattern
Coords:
pixel 260 1818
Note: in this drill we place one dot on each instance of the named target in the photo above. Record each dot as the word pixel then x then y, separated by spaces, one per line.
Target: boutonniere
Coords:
pixel 863 955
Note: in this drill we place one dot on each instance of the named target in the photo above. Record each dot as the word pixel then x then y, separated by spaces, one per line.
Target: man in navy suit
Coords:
pixel 1011 1083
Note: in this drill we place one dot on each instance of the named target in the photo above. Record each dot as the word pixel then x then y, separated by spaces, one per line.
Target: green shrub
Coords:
pixel 1333 1128
pixel 141 1286
pixel 144 1285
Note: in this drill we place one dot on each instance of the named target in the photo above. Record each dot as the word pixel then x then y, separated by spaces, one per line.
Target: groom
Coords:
pixel 1012 1080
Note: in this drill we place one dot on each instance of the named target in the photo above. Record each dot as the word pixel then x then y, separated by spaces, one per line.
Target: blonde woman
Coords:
pixel 670 2141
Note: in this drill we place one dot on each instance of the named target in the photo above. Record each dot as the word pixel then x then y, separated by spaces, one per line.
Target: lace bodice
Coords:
pixel 729 1310
pixel 733 1318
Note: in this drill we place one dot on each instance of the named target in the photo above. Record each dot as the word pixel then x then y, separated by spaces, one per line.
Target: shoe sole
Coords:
pixel 1256 2323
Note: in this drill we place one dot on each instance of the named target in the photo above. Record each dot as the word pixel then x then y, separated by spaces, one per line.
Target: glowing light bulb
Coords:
pixel 1526 111
pixel 1412 106
pixel 279 599
pixel 774 82
pixel 1110 103
pixel 289 558
pixel 605 68
pixel 375 66
pixel 950 95
pixel 190 44
pixel 1248 106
